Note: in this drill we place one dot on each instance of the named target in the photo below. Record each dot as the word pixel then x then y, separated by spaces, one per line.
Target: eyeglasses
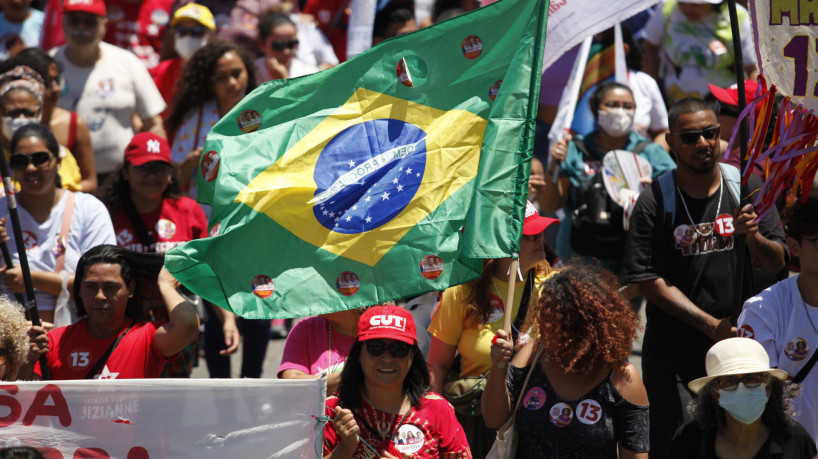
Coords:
pixel 691 137
pixel 20 161
pixel 195 31
pixel 281 45
pixel 730 383
pixel 153 167
pixel 614 104
pixel 76 20
pixel 376 348
pixel 28 113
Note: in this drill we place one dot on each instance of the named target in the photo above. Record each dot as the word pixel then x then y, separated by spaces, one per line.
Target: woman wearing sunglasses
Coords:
pixel 151 215
pixel 469 315
pixel 383 397
pixel 278 43
pixel 743 408
pixel 579 161
pixel 58 225
pixel 583 398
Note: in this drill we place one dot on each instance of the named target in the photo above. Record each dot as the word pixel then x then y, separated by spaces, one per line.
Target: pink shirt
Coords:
pixel 312 346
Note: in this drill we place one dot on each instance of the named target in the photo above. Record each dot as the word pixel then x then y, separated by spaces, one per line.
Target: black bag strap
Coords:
pixel 138 224
pixel 804 371
pixel 102 360
pixel 526 298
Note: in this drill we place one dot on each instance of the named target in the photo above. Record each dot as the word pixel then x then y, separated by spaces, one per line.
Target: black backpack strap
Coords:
pixel 804 371
pixel 138 224
pixel 521 313
pixel 580 144
pixel 102 360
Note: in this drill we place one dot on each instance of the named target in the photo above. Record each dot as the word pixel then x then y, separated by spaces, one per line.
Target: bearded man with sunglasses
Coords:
pixel 681 252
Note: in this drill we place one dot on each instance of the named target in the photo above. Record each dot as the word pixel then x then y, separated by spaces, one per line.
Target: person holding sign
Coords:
pixel 681 252
pixel 583 398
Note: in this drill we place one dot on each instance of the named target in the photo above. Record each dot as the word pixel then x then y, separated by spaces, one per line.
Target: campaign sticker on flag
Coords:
pixel 494 89
pixel 348 283
pixel 210 166
pixel 249 121
pixel 724 225
pixel 431 266
pixel 216 230
pixel 403 73
pixel 472 46
pixel 263 286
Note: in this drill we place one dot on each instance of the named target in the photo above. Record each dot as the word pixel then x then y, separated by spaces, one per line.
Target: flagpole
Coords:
pixel 31 305
pixel 745 270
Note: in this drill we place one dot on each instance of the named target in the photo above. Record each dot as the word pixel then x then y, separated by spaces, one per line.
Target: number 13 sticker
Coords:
pixel 724 225
pixel 589 411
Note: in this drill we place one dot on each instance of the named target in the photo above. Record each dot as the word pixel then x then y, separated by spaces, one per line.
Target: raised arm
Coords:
pixel 183 326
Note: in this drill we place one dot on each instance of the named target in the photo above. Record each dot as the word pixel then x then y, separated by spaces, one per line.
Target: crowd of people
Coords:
pixel 105 107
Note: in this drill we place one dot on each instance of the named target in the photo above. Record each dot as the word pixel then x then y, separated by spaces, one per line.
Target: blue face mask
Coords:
pixel 745 404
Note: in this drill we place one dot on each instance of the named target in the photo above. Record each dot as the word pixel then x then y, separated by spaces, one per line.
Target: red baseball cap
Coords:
pixel 146 147
pixel 96 7
pixel 390 322
pixel 535 223
pixel 730 95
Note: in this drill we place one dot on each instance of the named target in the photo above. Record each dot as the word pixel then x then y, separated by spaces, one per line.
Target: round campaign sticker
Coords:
pixel 249 121
pixel 348 283
pixel 159 16
pixel 561 414
pixel 684 235
pixel 106 87
pixel 263 286
pixel 165 228
pixel 797 349
pixel 410 439
pixel 494 89
pixel 79 358
pixel 472 46
pixel 534 399
pixel 589 411
pixel 431 266
pixel 746 331
pixel 724 225
pixel 216 230
pixel 210 166
pixel 497 308
pixel 30 240
pixel 404 76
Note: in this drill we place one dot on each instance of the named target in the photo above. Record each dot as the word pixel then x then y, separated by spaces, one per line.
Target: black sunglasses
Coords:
pixel 20 161
pixel 18 112
pixel 691 137
pixel 154 167
pixel 195 31
pixel 376 348
pixel 82 19
pixel 281 45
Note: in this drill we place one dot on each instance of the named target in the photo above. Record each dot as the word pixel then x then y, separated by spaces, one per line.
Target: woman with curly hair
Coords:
pixel 468 316
pixel 743 408
pixel 583 399
pixel 14 340
pixel 213 81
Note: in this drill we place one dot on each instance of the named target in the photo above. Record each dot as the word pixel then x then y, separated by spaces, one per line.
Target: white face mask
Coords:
pixel 12 125
pixel 744 404
pixel 187 45
pixel 615 121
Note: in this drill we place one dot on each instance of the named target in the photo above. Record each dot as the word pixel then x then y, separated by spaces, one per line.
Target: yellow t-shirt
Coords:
pixel 474 344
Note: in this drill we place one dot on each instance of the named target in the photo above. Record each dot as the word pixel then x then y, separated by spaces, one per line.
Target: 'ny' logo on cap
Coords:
pixel 153 146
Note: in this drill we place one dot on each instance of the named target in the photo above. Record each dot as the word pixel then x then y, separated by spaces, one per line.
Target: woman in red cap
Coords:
pixel 470 314
pixel 383 397
pixel 151 215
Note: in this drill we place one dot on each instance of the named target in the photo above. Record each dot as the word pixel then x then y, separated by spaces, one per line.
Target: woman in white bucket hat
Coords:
pixel 743 409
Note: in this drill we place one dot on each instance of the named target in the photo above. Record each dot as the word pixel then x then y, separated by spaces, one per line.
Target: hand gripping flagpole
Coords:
pixel 31 305
pixel 745 271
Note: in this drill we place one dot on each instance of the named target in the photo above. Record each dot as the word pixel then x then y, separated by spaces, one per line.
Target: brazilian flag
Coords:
pixel 390 175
